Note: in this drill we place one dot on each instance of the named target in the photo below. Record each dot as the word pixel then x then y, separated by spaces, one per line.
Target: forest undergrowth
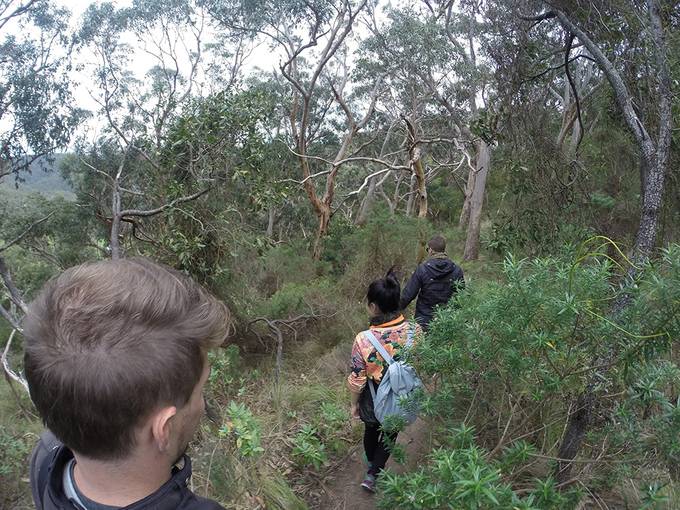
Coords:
pixel 502 366
pixel 540 138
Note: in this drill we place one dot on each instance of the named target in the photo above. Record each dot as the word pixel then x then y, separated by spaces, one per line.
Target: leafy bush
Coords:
pixel 308 448
pixel 295 298
pixel 14 450
pixel 331 420
pixel 286 264
pixel 464 477
pixel 509 354
pixel 242 426
pixel 226 375
pixel 18 436
pixel 653 497
pixel 385 241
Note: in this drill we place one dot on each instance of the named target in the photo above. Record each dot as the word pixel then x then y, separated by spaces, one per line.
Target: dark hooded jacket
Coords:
pixel 434 282
pixel 50 458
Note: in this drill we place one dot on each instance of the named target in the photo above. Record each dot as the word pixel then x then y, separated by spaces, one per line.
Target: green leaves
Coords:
pixel 547 495
pixel 653 497
pixel 308 448
pixel 37 111
pixel 516 454
pixel 243 428
pixel 525 345
pixel 464 477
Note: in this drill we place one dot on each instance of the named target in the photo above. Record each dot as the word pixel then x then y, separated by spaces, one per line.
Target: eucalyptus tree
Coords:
pixel 311 41
pixel 37 114
pixel 553 123
pixel 432 47
pixel 37 117
pixel 140 110
pixel 643 30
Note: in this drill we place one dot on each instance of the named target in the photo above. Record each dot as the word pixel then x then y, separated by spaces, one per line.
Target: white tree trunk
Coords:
pixel 413 190
pixel 271 217
pixel 367 202
pixel 116 219
pixel 482 163
pixel 464 219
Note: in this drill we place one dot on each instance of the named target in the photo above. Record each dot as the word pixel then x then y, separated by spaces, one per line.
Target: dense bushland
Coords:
pixel 503 363
pixel 509 356
pixel 525 128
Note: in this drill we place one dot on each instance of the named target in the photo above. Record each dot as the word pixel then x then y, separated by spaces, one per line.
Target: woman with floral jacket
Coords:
pixel 388 326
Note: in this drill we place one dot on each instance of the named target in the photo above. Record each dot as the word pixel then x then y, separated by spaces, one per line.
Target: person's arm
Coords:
pixel 459 280
pixel 411 290
pixel 357 378
pixel 354 407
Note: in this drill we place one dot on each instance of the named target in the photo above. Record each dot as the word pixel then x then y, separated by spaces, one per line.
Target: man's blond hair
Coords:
pixel 109 342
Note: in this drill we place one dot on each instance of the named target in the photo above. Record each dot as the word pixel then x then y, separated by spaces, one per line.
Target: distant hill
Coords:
pixel 43 177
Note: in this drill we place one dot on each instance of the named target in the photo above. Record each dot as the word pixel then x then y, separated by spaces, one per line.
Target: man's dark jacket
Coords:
pixel 47 467
pixel 434 282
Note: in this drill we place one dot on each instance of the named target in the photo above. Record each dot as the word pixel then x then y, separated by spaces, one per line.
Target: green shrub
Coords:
pixel 242 426
pixel 385 241
pixel 464 477
pixel 653 497
pixel 14 450
pixel 308 448
pixel 286 264
pixel 226 374
pixel 18 436
pixel 508 354
pixel 330 422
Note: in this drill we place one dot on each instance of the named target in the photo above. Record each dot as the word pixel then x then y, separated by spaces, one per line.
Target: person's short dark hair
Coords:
pixel 385 293
pixel 108 343
pixel 437 244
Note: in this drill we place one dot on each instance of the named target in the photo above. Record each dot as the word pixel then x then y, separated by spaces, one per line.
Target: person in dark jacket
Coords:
pixel 434 281
pixel 116 362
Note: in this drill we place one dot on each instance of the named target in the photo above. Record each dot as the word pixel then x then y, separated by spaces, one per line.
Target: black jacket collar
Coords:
pixel 172 495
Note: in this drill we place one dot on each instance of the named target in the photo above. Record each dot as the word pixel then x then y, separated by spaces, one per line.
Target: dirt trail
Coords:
pixel 341 487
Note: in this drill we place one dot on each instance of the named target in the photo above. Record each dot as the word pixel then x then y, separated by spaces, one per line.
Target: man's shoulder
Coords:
pixel 46 444
pixel 422 266
pixel 49 454
pixel 41 458
pixel 179 496
pixel 194 502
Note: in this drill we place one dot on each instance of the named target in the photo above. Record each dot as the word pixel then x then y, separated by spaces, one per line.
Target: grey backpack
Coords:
pixel 396 385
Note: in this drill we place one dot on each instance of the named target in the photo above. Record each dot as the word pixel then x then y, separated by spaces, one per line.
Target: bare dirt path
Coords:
pixel 342 489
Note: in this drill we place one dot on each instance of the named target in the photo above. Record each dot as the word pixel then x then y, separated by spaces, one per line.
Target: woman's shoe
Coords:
pixel 369 482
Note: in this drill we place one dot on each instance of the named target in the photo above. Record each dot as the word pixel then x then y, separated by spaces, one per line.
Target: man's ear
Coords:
pixel 161 427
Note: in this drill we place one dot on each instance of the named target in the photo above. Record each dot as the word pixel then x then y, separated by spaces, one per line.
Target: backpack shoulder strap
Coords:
pixel 411 334
pixel 378 347
pixel 41 460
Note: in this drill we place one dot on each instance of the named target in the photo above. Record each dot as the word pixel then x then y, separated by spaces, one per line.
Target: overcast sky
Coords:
pixel 142 62
pixel 85 90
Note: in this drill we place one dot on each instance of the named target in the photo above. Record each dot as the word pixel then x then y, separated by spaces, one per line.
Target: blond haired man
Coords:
pixel 116 361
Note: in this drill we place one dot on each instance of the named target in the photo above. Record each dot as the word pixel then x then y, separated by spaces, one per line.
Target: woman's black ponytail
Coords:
pixel 385 292
pixel 391 276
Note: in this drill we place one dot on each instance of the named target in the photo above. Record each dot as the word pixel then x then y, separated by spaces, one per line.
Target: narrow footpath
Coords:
pixel 342 485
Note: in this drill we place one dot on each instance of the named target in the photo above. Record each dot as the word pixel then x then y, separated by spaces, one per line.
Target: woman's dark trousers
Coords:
pixel 377 445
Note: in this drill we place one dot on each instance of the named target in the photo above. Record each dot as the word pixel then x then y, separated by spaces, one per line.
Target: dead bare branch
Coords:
pixel 367 179
pixel 164 207
pixel 14 294
pixel 275 325
pixel 7 369
pixel 346 160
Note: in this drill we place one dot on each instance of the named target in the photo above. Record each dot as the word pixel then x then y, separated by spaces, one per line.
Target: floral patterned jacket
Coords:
pixel 366 362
